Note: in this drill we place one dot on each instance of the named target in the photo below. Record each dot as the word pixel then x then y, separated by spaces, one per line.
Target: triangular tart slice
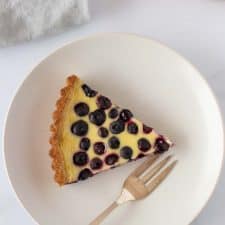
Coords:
pixel 90 134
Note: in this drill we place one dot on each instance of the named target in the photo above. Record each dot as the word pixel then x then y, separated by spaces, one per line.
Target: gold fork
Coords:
pixel 140 183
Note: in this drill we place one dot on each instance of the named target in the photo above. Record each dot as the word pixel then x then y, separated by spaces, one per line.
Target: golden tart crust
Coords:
pixel 58 164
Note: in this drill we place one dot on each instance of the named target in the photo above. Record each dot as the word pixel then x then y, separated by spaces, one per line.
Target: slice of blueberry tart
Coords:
pixel 90 134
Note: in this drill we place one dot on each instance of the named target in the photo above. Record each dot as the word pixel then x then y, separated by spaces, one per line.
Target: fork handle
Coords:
pixel 104 214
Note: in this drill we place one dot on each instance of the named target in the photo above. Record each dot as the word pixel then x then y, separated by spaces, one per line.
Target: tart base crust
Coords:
pixel 55 152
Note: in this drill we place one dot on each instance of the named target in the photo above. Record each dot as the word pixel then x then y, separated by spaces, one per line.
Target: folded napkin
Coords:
pixel 22 20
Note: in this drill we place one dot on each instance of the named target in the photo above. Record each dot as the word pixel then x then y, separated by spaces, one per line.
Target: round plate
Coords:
pixel 161 88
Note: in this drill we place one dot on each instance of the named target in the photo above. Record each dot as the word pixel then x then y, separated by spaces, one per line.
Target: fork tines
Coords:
pixel 152 176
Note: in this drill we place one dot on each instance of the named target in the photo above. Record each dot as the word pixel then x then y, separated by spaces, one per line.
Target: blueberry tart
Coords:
pixel 91 134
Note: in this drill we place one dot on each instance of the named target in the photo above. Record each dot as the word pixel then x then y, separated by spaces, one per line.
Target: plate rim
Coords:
pixel 130 35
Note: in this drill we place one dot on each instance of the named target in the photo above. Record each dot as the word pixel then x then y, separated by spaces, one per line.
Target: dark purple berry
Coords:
pixel 103 132
pixel 111 159
pixel 140 155
pixel 144 145
pixel 96 163
pixel 146 129
pixel 80 128
pixel 103 102
pixel 117 126
pixel 88 91
pixel 126 152
pixel 99 148
pixel 97 117
pixel 132 128
pixel 126 115
pixel 85 143
pixel 161 145
pixel 113 113
pixel 114 142
pixel 84 174
pixel 80 158
pixel 81 109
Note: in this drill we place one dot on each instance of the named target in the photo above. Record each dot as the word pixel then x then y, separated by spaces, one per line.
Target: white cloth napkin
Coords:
pixel 22 20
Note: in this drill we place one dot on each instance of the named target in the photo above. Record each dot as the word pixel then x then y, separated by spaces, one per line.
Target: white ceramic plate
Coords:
pixel 163 90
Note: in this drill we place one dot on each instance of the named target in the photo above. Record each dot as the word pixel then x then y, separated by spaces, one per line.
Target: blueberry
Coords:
pixel 99 148
pixel 117 126
pixel 85 143
pixel 114 142
pixel 111 159
pixel 84 174
pixel 88 91
pixel 80 128
pixel 113 113
pixel 103 132
pixel 96 163
pixel 97 117
pixel 161 145
pixel 132 128
pixel 140 155
pixel 126 115
pixel 146 129
pixel 103 102
pixel 81 109
pixel 143 144
pixel 126 152
pixel 80 158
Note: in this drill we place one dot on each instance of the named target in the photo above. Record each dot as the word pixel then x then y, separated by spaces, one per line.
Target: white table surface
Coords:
pixel 195 28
